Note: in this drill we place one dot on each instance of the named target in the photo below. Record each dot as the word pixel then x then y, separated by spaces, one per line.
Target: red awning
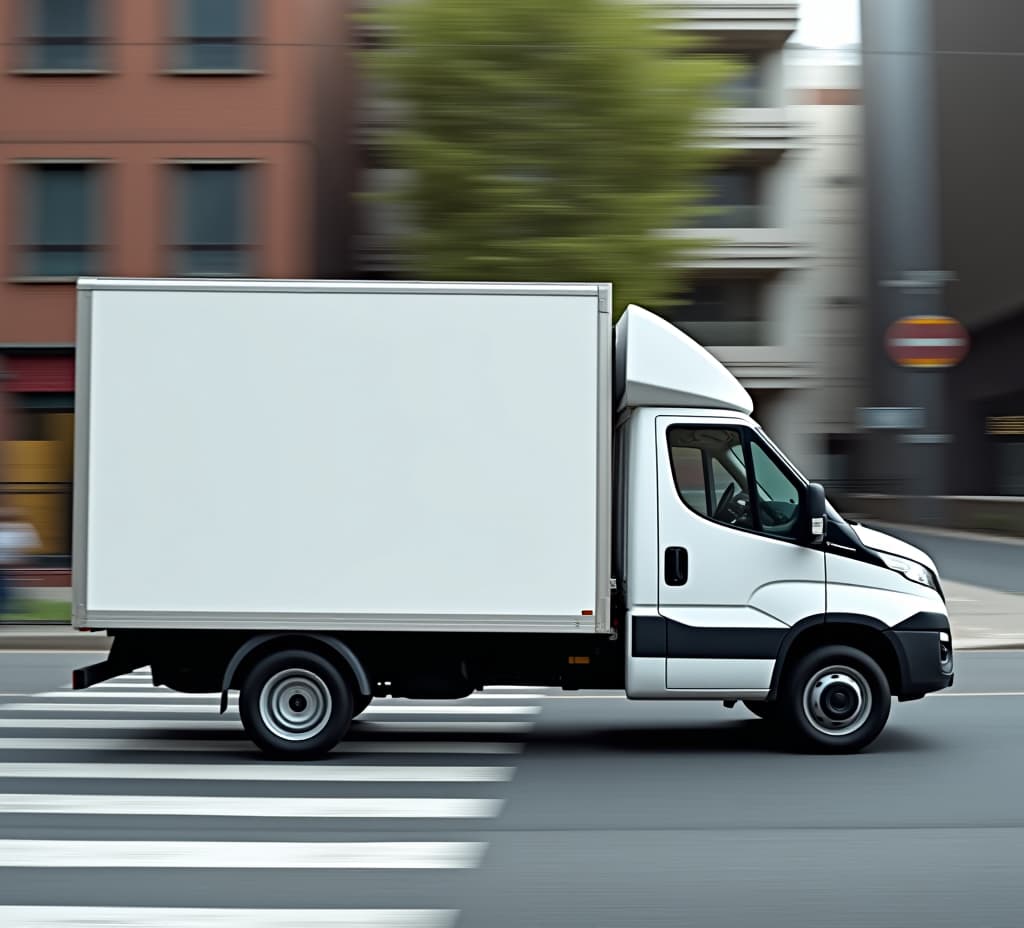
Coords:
pixel 39 375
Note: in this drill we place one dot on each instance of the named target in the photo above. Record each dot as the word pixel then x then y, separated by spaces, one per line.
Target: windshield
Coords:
pixel 844 532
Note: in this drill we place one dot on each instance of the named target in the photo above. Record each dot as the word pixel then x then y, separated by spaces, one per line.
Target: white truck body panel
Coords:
pixel 276 454
pixel 658 365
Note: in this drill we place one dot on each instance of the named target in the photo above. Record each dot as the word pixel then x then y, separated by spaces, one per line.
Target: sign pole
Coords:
pixel 904 231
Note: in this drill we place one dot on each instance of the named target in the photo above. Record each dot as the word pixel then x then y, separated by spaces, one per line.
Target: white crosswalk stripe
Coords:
pixel 153 692
pixel 178 745
pixel 148 760
pixel 176 706
pixel 138 917
pixel 240 806
pixel 244 855
pixel 286 773
pixel 230 723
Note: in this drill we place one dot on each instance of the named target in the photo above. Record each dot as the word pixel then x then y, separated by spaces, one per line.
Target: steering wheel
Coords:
pixel 723 503
pixel 732 506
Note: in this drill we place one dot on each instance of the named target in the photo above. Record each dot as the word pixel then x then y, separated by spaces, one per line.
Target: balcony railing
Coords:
pixel 745 250
pixel 739 216
pixel 767 129
pixel 724 331
pixel 766 23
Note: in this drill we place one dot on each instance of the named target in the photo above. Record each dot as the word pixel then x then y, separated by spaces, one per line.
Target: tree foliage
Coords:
pixel 544 139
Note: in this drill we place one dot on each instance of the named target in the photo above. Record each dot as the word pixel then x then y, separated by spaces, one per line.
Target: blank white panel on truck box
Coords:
pixel 279 454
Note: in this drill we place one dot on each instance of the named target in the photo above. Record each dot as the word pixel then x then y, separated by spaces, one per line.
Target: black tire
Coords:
pixel 763 709
pixel 295 705
pixel 359 703
pixel 835 700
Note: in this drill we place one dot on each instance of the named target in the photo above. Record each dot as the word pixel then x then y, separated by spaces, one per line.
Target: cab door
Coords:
pixel 736 565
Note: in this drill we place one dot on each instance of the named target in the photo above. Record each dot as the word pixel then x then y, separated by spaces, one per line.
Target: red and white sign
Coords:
pixel 927 342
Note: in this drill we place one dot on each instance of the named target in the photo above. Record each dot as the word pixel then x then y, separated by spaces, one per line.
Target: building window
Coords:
pixel 732 198
pixel 720 313
pixel 61 220
pixel 63 35
pixel 214 35
pixel 746 88
pixel 213 221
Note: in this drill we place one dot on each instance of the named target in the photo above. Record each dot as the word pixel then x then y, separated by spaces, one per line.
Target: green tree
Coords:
pixel 544 139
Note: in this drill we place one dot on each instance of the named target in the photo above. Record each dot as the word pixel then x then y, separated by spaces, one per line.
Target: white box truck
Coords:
pixel 323 493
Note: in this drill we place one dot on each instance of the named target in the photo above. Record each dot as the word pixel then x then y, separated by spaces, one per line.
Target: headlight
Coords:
pixel 910 569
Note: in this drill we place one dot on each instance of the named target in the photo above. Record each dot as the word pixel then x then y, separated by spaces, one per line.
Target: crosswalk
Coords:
pixel 131 805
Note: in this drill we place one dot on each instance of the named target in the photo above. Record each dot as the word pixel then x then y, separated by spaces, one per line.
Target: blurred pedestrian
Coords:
pixel 17 539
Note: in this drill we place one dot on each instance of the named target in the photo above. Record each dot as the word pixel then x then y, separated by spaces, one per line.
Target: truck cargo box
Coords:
pixel 321 455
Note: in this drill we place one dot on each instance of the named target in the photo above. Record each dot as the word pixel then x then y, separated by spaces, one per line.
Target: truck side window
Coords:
pixel 712 477
pixel 710 474
pixel 688 470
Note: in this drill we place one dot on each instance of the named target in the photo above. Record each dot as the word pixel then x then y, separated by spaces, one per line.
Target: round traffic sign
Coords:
pixel 930 342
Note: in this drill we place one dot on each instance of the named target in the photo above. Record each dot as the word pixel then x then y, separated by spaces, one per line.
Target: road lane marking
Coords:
pixel 997 693
pixel 245 855
pixel 306 773
pixel 25 916
pixel 247 806
pixel 52 743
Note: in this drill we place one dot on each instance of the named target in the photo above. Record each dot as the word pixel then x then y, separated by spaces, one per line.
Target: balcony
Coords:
pixel 744 252
pixel 754 134
pixel 740 24
pixel 768 367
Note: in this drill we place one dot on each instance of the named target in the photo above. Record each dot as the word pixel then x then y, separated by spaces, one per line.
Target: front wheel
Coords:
pixel 836 700
pixel 295 705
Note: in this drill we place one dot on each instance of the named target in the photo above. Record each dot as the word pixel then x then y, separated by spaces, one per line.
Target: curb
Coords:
pixel 987 644
pixel 27 638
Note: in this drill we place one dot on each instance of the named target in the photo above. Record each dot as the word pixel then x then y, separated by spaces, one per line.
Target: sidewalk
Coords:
pixel 983 618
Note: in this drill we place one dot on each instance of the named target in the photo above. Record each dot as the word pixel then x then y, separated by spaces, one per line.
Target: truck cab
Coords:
pixel 740 581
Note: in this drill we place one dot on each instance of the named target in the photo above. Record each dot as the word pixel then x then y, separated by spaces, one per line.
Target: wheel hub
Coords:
pixel 295 704
pixel 837 700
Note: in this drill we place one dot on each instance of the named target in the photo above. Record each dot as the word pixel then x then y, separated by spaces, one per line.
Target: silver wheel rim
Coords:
pixel 295 705
pixel 837 701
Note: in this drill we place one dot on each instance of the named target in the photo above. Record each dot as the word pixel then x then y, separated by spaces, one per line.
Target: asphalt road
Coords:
pixel 981 561
pixel 533 808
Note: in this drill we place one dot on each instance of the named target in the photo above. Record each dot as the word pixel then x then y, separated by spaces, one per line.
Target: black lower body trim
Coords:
pixel 926 663
pixel 656 636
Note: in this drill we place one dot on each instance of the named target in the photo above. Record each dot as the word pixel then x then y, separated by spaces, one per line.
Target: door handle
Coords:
pixel 677 566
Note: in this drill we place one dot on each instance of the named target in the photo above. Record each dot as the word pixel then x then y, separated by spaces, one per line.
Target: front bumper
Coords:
pixel 924 648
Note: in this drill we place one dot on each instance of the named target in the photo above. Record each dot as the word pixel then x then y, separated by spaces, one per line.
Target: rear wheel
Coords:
pixel 295 705
pixel 836 700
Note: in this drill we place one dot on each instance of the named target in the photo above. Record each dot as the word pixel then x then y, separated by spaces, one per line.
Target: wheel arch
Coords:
pixel 325 645
pixel 863 632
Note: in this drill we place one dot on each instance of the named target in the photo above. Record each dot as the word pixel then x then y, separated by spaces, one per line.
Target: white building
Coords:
pixel 824 87
pixel 777 294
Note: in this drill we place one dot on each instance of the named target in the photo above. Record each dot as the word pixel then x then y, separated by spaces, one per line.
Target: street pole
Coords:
pixel 905 247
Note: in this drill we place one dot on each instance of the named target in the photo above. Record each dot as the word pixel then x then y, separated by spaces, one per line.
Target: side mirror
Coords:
pixel 814 512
